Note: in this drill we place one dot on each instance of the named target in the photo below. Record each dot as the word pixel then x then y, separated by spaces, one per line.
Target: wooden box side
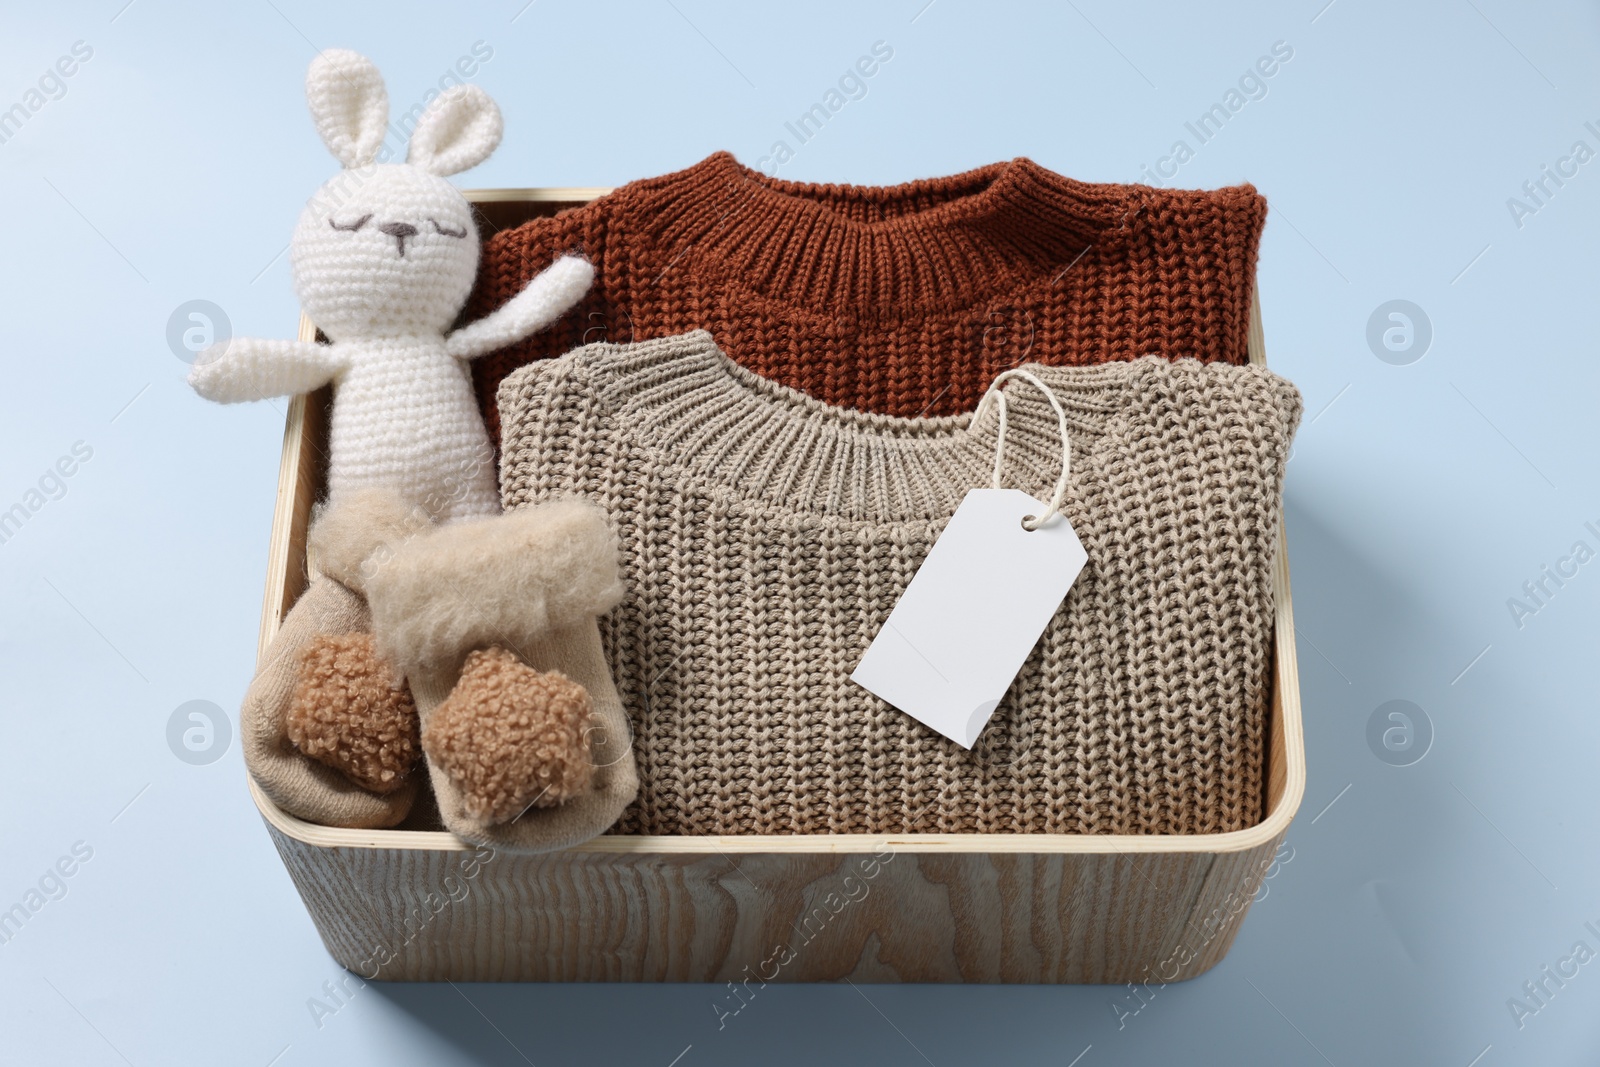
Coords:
pixel 894 915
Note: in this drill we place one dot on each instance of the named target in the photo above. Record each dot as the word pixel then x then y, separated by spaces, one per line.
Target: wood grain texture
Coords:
pixel 410 905
pixel 300 475
pixel 898 914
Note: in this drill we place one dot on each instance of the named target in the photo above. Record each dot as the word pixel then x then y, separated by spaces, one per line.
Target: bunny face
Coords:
pixel 388 249
pixel 384 251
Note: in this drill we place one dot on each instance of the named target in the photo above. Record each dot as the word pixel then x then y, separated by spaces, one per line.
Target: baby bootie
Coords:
pixel 323 729
pixel 493 624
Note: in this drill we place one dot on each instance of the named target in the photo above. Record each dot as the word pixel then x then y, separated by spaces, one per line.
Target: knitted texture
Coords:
pixel 765 537
pixel 350 712
pixel 511 737
pixel 383 258
pixel 904 300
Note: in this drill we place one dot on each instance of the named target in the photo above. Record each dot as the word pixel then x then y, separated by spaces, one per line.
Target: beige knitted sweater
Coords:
pixel 766 536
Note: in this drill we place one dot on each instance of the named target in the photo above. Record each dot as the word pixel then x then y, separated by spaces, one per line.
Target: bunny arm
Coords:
pixel 545 299
pixel 253 368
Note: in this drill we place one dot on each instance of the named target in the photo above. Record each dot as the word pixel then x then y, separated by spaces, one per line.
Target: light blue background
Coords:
pixel 1420 498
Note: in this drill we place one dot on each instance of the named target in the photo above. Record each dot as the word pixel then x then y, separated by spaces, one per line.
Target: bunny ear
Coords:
pixel 459 130
pixel 348 104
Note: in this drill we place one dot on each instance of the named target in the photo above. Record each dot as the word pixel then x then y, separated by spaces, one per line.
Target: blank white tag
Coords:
pixel 963 628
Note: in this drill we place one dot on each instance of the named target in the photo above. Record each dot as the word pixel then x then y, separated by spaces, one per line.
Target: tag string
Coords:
pixel 997 392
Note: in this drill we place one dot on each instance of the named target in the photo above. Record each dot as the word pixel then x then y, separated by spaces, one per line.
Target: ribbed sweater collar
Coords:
pixel 752 440
pixel 885 252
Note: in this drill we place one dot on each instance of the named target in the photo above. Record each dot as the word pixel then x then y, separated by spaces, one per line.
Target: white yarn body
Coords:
pixel 405 418
pixel 387 314
pixel 383 259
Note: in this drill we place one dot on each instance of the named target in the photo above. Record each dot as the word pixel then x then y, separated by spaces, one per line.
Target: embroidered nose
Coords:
pixel 399 231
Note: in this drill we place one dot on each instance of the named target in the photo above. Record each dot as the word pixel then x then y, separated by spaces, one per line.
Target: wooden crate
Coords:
pixel 423 906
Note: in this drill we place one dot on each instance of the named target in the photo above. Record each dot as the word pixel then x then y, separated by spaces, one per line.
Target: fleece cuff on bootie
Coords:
pixel 505 580
pixel 349 540
pixel 516 591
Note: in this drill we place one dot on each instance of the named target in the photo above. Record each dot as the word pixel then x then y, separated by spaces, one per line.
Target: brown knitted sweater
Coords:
pixel 904 300
pixel 765 538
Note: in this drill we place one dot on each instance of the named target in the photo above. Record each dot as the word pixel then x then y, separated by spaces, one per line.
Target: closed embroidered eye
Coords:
pixel 448 232
pixel 350 227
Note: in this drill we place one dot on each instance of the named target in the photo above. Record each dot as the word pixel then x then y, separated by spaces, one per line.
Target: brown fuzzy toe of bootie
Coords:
pixel 349 712
pixel 511 737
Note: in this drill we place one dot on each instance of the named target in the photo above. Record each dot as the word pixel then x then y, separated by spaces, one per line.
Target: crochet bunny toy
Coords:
pixel 383 259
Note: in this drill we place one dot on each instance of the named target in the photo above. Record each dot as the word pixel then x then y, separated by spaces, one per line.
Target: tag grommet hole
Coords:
pixel 1026 519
